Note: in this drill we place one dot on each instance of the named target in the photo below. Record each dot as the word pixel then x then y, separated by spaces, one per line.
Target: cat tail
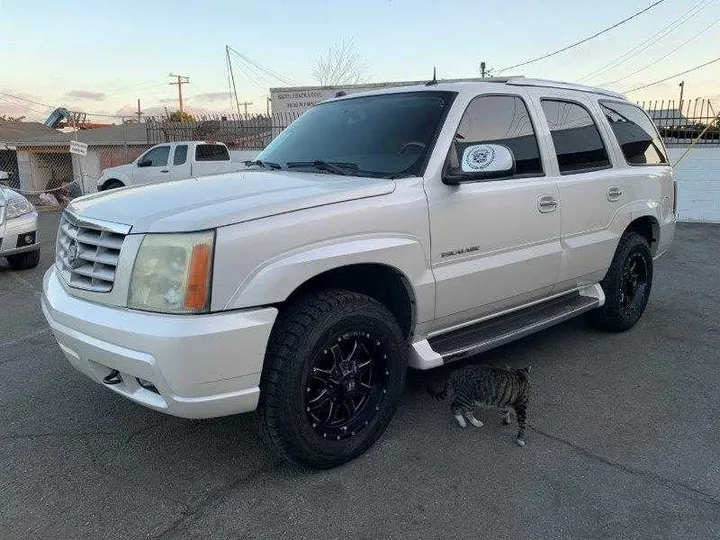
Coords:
pixel 439 389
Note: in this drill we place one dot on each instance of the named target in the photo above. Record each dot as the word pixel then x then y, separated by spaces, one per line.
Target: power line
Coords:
pixel 270 72
pixel 55 107
pixel 27 100
pixel 676 49
pixel 6 100
pixel 253 78
pixel 641 47
pixel 673 76
pixel 572 45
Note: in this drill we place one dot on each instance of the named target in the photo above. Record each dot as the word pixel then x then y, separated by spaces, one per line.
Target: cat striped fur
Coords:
pixel 486 386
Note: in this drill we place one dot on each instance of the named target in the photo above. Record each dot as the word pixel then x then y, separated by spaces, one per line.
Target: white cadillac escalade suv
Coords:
pixel 405 227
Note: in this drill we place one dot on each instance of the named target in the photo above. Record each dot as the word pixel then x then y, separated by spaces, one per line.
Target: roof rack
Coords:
pixel 522 81
pixel 503 80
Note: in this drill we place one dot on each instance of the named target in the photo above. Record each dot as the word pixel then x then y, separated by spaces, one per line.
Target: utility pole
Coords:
pixel 482 69
pixel 232 88
pixel 267 106
pixel 139 112
pixel 682 89
pixel 181 79
pixel 245 104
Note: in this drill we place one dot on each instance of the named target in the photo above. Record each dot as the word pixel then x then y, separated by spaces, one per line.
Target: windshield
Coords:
pixel 384 135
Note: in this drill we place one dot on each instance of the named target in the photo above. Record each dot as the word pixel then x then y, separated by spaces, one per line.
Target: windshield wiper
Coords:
pixel 263 164
pixel 330 166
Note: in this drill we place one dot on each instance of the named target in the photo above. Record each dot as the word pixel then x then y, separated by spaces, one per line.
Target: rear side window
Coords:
pixel 635 132
pixel 180 156
pixel 577 141
pixel 501 120
pixel 211 152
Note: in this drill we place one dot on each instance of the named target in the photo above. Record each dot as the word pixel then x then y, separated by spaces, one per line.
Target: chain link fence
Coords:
pixel 40 165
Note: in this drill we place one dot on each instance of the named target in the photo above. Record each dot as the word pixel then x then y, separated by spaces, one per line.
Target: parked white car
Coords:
pixel 171 161
pixel 19 242
pixel 405 227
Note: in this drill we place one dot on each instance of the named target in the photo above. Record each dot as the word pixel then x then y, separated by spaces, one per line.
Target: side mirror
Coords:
pixel 482 162
pixel 144 163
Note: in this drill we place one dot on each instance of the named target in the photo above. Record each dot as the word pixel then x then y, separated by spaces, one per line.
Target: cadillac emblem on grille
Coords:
pixel 72 258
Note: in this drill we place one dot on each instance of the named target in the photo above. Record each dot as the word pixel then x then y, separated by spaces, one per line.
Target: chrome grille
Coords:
pixel 87 252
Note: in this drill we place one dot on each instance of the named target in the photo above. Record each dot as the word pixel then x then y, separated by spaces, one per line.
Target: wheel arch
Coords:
pixel 107 181
pixel 393 269
pixel 649 228
pixel 384 283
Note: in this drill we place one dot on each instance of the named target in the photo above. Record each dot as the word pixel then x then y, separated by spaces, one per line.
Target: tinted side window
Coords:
pixel 499 120
pixel 577 140
pixel 180 156
pixel 211 152
pixel 635 132
pixel 158 157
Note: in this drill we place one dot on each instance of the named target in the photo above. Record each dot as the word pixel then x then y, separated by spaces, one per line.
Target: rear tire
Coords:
pixel 332 379
pixel 112 184
pixel 24 261
pixel 627 285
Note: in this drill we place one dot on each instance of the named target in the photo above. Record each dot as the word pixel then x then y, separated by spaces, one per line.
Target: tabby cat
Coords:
pixel 487 386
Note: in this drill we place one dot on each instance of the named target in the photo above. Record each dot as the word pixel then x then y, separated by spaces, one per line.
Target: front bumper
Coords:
pixel 202 366
pixel 12 229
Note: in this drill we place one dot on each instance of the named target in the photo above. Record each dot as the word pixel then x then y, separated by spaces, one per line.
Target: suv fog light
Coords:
pixel 25 240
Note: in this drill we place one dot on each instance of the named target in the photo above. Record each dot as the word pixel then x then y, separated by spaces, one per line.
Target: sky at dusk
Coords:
pixel 102 56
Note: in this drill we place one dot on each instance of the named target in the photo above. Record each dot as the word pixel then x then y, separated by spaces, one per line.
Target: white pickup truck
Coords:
pixel 171 161
pixel 411 226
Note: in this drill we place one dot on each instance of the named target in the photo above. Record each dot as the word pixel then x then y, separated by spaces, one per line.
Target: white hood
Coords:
pixel 214 201
pixel 119 170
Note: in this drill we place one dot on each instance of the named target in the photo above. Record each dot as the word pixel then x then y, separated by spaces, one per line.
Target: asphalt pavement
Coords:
pixel 624 440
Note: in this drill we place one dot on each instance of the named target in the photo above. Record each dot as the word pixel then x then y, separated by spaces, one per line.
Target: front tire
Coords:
pixel 24 261
pixel 626 285
pixel 332 378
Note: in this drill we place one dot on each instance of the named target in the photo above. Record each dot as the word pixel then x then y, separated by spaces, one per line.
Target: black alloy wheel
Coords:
pixel 634 284
pixel 346 385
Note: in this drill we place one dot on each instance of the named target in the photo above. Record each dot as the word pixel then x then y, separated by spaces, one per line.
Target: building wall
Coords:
pixel 698 182
pixel 24 175
pixel 243 155
pixel 40 169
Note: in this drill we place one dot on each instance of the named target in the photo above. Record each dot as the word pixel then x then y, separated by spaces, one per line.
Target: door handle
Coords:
pixel 547 203
pixel 164 170
pixel 614 193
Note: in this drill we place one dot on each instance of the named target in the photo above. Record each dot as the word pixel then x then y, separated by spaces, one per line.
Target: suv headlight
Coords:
pixel 17 206
pixel 172 273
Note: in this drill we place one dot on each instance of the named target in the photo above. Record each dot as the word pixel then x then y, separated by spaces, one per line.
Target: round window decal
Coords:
pixel 478 158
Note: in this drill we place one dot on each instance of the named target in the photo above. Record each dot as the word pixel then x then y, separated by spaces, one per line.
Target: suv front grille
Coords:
pixel 87 252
